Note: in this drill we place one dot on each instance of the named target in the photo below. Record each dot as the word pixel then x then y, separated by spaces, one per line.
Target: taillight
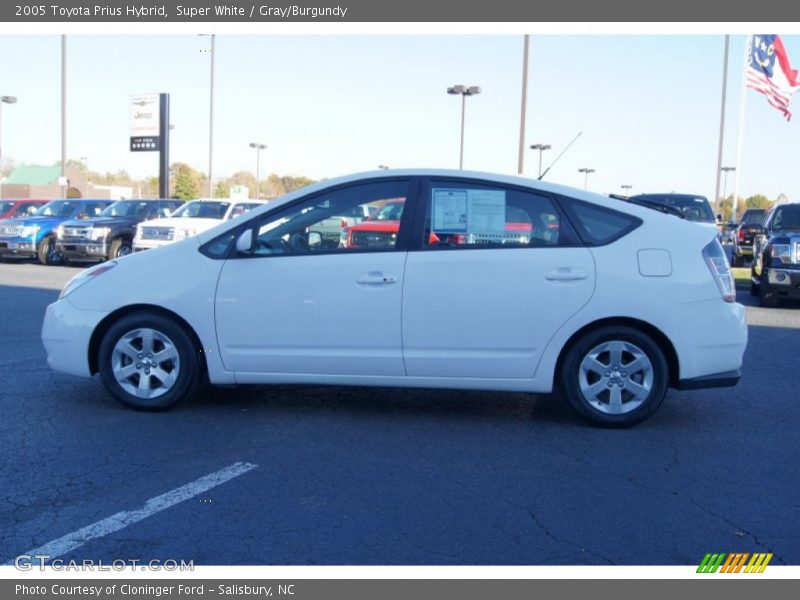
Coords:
pixel 740 234
pixel 715 258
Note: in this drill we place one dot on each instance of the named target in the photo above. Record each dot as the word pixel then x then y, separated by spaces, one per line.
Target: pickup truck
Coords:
pixel 776 256
pixel 110 234
pixel 35 236
pixel 748 228
pixel 190 219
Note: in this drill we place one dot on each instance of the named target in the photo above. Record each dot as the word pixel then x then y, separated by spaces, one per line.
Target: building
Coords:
pixel 37 181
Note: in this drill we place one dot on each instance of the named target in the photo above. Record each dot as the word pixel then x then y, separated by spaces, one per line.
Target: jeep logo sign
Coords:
pixel 144 130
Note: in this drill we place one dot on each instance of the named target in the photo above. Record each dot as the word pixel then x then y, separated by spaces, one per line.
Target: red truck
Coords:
pixel 14 209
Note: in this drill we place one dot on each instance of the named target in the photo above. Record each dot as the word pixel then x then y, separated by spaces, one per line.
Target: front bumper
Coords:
pixel 17 247
pixel 139 245
pixel 83 249
pixel 785 282
pixel 66 333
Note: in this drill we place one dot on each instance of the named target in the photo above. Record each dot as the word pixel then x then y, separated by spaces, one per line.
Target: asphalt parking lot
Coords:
pixel 364 476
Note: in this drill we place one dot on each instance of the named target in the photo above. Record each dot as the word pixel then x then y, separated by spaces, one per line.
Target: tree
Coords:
pixel 223 190
pixel 187 181
pixel 758 201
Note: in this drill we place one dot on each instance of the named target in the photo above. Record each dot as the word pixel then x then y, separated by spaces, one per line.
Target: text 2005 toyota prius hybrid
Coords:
pixel 417 278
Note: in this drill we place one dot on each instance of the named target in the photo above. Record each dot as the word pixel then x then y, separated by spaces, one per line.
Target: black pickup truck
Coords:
pixel 110 234
pixel 749 227
pixel 776 256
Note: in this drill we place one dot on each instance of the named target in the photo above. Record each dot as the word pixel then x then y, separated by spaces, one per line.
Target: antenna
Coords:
pixel 559 156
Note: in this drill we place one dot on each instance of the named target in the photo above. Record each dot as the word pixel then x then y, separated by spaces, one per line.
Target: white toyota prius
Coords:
pixel 471 281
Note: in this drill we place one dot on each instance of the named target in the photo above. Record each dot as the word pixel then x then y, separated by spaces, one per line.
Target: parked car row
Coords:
pixel 79 230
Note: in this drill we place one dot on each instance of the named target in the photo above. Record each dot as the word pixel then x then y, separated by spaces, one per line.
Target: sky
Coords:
pixel 648 106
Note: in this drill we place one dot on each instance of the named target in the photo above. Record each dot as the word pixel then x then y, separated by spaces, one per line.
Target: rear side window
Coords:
pixel 598 225
pixel 466 215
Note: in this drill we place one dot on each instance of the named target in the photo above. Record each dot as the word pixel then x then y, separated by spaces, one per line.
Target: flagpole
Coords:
pixel 722 120
pixel 521 157
pixel 739 144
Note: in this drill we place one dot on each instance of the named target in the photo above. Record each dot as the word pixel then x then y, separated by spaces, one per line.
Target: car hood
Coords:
pixel 99 222
pixel 40 221
pixel 375 226
pixel 195 223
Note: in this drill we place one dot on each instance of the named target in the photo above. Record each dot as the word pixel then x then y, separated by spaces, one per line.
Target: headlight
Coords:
pixel 84 276
pixel 28 230
pixel 99 232
pixel 781 251
pixel 60 231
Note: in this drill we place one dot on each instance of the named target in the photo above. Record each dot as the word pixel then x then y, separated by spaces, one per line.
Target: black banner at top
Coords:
pixel 354 11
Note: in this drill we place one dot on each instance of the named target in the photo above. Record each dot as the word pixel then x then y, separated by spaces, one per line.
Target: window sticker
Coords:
pixel 449 210
pixel 468 211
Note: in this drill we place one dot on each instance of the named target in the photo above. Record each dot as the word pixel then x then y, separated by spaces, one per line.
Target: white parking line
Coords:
pixel 122 519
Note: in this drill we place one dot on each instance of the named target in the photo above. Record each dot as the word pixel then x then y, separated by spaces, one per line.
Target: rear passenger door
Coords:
pixel 496 271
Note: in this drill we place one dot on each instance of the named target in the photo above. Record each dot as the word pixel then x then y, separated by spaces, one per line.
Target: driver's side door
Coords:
pixel 295 303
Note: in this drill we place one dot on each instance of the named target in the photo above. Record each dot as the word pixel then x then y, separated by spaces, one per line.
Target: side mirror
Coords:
pixel 244 243
pixel 314 239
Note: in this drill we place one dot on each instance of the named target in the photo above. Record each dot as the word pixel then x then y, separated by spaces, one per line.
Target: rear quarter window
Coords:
pixel 598 225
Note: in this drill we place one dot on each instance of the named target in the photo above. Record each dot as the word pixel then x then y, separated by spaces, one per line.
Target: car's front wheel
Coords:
pixel 766 295
pixel 616 376
pixel 47 253
pixel 148 361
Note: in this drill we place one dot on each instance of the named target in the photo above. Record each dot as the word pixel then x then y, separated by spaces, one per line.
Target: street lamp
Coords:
pixel 463 91
pixel 259 148
pixel 727 170
pixel 5 100
pixel 541 148
pixel 585 172
pixel 383 167
pixel 211 121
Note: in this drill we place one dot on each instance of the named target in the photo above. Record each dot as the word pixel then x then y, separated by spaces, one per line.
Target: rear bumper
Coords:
pixel 744 249
pixel 727 379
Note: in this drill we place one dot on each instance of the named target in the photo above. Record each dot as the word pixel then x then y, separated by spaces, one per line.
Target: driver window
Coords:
pixel 356 217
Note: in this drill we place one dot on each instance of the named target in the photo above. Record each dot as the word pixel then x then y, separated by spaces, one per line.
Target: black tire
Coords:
pixel 119 248
pixel 570 377
pixel 766 296
pixel 188 361
pixel 47 253
pixel 736 259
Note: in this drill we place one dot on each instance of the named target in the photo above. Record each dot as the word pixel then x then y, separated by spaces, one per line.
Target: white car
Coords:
pixel 609 301
pixel 188 220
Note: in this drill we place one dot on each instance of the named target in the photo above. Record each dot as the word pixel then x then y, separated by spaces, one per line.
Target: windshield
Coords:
pixel 694 208
pixel 753 218
pixel 786 218
pixel 5 207
pixel 57 208
pixel 391 211
pixel 125 208
pixel 202 210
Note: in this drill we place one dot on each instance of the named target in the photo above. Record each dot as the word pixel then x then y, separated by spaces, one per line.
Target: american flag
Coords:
pixel 769 72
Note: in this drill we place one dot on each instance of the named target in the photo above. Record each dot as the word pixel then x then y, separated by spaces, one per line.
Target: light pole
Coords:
pixel 726 170
pixel 211 122
pixel 585 172
pixel 383 167
pixel 5 100
pixel 541 148
pixel 259 148
pixel 63 179
pixel 463 91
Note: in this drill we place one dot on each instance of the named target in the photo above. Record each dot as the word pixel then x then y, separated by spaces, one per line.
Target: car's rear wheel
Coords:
pixel 616 376
pixel 148 361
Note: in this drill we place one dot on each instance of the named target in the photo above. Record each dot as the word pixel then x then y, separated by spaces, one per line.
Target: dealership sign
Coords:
pixel 145 123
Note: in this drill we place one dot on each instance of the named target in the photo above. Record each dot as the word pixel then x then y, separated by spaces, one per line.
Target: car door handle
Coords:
pixel 376 278
pixel 565 274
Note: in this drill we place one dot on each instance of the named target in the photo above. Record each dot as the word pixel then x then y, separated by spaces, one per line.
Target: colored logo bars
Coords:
pixel 733 563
